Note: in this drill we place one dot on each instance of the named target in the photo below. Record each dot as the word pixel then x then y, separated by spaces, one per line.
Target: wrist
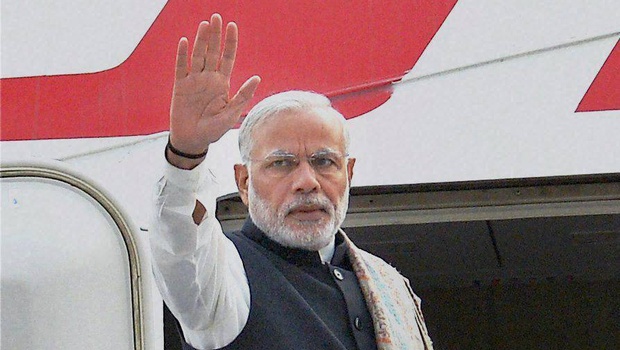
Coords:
pixel 184 154
pixel 181 162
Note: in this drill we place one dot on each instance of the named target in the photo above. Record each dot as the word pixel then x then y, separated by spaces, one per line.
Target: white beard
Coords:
pixel 309 236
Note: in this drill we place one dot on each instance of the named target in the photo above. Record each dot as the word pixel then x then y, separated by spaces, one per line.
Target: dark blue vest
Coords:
pixel 296 301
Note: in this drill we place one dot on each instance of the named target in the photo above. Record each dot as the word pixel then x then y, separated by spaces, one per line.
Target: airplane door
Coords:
pixel 70 269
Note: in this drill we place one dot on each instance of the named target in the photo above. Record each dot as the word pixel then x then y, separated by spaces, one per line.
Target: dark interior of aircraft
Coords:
pixel 502 264
pixel 539 283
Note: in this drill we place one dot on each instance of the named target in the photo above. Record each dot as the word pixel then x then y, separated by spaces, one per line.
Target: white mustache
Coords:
pixel 318 201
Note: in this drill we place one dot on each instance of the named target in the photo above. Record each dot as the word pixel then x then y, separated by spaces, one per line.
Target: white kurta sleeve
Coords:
pixel 197 269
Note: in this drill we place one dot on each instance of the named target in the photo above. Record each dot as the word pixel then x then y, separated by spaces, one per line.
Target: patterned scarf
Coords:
pixel 394 308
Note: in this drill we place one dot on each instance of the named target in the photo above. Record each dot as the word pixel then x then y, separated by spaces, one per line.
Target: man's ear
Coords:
pixel 350 165
pixel 242 177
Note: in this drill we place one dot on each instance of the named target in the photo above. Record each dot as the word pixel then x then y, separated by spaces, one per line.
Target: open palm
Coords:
pixel 202 109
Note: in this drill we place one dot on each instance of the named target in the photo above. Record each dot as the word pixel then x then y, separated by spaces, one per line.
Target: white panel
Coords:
pixel 509 119
pixel 42 37
pixel 63 148
pixel 129 172
pixel 65 270
pixel 478 31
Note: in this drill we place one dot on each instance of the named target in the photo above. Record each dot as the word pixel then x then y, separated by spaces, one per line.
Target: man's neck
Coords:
pixel 327 253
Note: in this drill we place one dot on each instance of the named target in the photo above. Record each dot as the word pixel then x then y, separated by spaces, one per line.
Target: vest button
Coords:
pixel 357 323
pixel 338 275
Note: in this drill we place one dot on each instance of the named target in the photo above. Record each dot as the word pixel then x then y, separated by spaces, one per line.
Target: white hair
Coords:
pixel 289 101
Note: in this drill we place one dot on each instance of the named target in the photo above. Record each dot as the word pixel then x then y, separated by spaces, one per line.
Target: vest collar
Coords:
pixel 294 256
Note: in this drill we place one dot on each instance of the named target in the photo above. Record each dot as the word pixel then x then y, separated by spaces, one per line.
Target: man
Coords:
pixel 291 279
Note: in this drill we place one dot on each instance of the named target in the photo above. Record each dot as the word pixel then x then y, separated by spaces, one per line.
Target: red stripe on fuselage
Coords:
pixel 604 93
pixel 350 52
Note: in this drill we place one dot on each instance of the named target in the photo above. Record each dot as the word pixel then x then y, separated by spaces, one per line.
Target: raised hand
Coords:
pixel 202 110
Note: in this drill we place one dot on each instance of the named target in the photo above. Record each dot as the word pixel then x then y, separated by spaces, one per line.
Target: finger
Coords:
pixel 213 48
pixel 244 95
pixel 230 49
pixel 200 45
pixel 181 63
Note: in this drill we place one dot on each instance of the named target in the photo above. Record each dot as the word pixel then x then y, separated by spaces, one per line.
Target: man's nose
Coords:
pixel 305 178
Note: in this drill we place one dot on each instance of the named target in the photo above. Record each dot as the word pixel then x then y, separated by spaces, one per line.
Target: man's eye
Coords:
pixel 282 163
pixel 323 162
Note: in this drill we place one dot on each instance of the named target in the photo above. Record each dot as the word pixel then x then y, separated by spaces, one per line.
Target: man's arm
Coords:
pixel 197 269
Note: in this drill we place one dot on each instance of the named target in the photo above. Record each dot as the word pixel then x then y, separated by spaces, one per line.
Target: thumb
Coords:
pixel 245 94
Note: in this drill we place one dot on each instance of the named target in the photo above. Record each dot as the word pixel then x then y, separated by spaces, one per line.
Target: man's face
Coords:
pixel 296 184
